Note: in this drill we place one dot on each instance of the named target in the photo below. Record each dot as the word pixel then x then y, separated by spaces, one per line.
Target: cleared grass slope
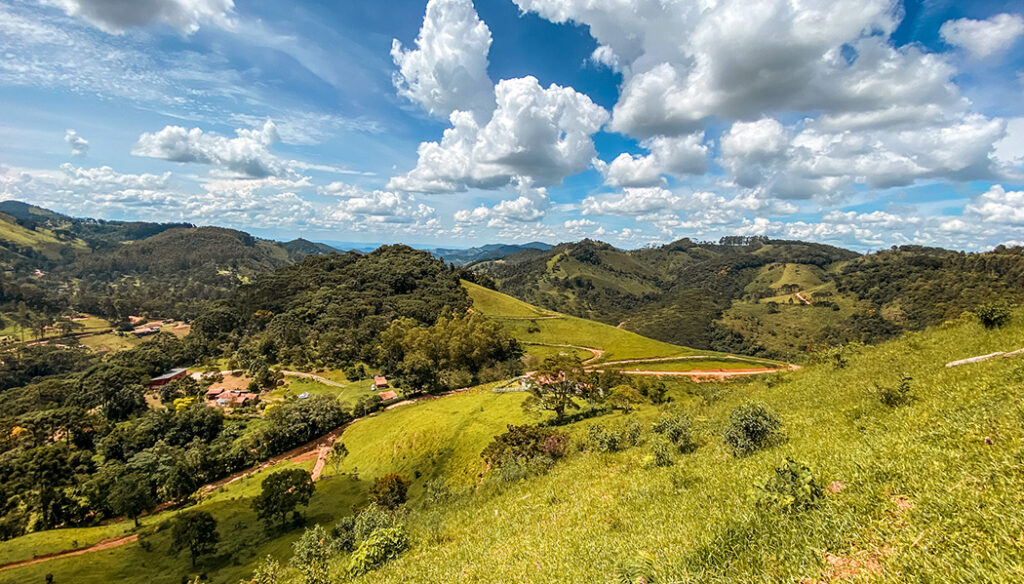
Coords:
pixel 552 329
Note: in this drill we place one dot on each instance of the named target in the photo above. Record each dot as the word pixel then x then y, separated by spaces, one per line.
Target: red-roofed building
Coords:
pixel 380 382
pixel 388 395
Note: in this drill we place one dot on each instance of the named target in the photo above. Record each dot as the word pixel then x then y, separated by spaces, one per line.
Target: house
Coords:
pixel 145 331
pixel 388 395
pixel 380 382
pixel 162 380
pixel 213 392
pixel 236 398
pixel 134 320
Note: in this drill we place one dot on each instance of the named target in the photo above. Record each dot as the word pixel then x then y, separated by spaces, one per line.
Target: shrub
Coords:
pixel 624 398
pixel 604 439
pixel 897 395
pixel 521 443
pixel 382 545
pixel 994 314
pixel 661 451
pixel 751 428
pixel 389 491
pixel 678 429
pixel 351 531
pixel 793 487
pixel 633 435
pixel 312 552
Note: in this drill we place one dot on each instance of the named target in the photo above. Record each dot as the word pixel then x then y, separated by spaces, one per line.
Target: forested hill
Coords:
pixel 331 309
pixel 52 263
pixel 740 294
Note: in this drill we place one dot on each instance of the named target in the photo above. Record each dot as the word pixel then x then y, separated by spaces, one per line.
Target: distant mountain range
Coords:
pixel 483 253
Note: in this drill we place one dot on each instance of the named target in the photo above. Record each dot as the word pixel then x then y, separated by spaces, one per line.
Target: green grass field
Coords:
pixel 569 330
pixel 927 492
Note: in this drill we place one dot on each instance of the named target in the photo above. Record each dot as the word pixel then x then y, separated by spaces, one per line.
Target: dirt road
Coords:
pixel 106 544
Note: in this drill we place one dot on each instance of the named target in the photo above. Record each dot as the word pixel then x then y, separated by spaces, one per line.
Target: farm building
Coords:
pixel 162 380
pixel 234 398
pixel 134 320
pixel 145 331
pixel 380 382
pixel 388 395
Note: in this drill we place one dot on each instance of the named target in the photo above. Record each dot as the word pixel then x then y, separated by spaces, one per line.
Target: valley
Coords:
pixel 352 368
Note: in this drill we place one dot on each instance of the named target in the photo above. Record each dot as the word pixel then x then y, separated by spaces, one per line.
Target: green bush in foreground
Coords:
pixel 994 314
pixel 678 429
pixel 793 487
pixel 896 395
pixel 752 427
pixel 382 545
pixel 389 491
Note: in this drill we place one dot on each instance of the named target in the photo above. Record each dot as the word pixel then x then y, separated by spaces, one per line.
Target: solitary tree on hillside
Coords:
pixel 196 532
pixel 338 454
pixel 556 383
pixel 131 496
pixel 281 493
pixel 389 491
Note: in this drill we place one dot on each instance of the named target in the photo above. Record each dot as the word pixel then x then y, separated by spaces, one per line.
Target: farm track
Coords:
pixel 105 544
pixel 598 353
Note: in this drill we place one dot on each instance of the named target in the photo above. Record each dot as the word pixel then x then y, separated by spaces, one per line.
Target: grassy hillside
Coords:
pixel 928 491
pixel 544 329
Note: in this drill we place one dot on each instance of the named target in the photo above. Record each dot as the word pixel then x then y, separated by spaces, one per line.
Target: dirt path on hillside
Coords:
pixel 322 380
pixel 106 544
pixel 706 375
pixel 598 353
pixel 803 298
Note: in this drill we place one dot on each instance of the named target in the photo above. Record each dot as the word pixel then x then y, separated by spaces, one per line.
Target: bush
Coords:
pixel 351 531
pixel 994 314
pixel 751 428
pixel 793 487
pixel 389 491
pixel 311 554
pixel 678 429
pixel 661 452
pixel 895 395
pixel 604 439
pixel 522 443
pixel 382 545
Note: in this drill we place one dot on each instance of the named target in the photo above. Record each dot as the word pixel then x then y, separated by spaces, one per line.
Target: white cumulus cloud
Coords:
pixel 447 71
pixel 668 156
pixel 982 38
pixel 543 134
pixel 247 154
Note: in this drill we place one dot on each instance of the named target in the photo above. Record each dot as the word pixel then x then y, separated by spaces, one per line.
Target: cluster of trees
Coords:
pixel 457 351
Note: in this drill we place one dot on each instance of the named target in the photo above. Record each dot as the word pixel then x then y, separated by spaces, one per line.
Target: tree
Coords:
pixel 131 496
pixel 389 491
pixel 624 397
pixel 196 532
pixel 281 493
pixel 311 553
pixel 338 454
pixel 556 383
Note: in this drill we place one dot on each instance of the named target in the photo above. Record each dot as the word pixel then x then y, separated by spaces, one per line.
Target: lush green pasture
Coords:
pixel 930 491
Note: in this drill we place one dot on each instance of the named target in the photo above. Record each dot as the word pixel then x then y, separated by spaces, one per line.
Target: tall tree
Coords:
pixel 196 532
pixel 281 493
pixel 131 496
pixel 556 384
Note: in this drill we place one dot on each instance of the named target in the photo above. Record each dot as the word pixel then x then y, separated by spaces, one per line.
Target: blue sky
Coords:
pixel 862 123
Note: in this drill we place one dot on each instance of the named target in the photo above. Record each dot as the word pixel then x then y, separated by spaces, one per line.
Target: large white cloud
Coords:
pixel 117 16
pixel 668 156
pixel 543 134
pixel 982 38
pixel 997 205
pixel 247 154
pixel 447 71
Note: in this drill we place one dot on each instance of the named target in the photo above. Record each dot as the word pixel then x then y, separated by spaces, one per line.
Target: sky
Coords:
pixel 859 123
